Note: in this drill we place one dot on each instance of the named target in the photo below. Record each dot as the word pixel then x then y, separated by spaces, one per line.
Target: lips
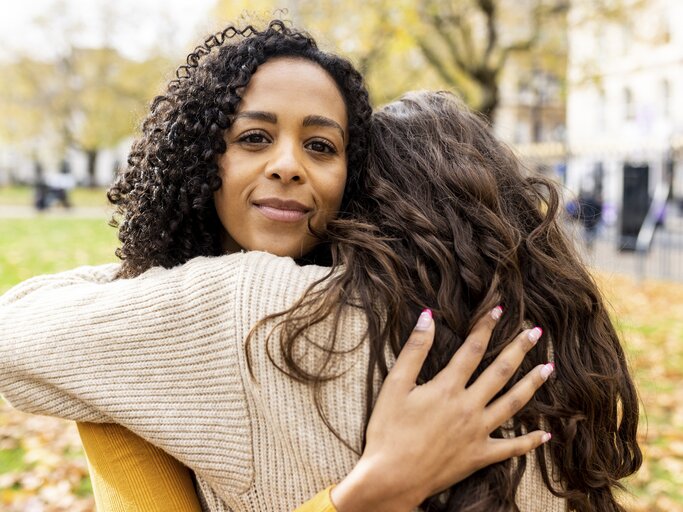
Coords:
pixel 282 210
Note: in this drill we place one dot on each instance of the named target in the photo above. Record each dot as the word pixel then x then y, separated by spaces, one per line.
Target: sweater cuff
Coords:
pixel 321 502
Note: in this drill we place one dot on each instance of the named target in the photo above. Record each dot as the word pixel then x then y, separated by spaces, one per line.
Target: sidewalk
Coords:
pixel 664 261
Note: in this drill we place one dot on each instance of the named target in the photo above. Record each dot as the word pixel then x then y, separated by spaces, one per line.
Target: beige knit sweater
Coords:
pixel 163 355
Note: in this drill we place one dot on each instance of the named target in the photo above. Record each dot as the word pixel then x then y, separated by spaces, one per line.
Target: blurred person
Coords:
pixel 54 188
pixel 443 219
pixel 257 146
pixel 589 214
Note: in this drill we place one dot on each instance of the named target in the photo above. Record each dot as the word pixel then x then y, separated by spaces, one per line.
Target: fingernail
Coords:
pixel 425 320
pixel 546 437
pixel 535 334
pixel 497 312
pixel 547 370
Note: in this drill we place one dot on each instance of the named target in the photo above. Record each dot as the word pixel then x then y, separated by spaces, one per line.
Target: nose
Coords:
pixel 286 164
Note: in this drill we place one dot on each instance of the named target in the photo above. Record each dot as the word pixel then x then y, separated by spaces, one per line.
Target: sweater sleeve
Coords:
pixel 156 354
pixel 128 473
pixel 321 502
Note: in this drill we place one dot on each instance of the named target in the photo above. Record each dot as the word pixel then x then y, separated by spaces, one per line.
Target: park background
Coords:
pixel 584 91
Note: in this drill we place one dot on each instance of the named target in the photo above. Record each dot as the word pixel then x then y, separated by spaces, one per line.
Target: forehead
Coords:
pixel 294 87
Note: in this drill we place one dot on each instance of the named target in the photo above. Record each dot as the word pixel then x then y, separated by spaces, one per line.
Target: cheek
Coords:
pixel 331 190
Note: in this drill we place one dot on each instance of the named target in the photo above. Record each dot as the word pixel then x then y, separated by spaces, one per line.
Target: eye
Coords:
pixel 253 138
pixel 321 146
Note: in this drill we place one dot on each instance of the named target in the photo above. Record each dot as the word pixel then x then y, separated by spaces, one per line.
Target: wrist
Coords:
pixel 367 488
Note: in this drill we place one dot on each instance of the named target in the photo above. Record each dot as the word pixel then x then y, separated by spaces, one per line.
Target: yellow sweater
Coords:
pixel 163 355
pixel 130 475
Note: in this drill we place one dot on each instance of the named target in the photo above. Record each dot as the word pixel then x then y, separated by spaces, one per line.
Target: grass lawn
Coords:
pixel 43 245
pixel 23 196
pixel 40 458
pixel 42 466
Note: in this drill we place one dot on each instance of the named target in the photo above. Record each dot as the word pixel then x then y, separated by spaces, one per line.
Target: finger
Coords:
pixel 502 449
pixel 500 371
pixel 506 406
pixel 463 363
pixel 414 352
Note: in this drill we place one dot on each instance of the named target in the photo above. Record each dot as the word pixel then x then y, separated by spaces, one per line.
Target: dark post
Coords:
pixel 634 206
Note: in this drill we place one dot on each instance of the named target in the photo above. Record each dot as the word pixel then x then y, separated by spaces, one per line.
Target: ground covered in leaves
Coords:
pixel 649 316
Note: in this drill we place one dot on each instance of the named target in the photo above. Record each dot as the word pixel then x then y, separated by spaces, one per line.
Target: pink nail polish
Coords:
pixel 425 320
pixel 535 334
pixel 497 312
pixel 546 437
pixel 547 370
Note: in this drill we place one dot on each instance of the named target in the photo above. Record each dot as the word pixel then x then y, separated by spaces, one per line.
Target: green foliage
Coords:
pixel 90 99
pixel 84 487
pixel 12 459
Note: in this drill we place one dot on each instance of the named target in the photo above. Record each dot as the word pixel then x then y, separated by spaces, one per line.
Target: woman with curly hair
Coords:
pixel 444 220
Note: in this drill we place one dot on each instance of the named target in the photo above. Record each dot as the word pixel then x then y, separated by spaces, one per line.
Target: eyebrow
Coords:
pixel 257 116
pixel 324 121
pixel 312 120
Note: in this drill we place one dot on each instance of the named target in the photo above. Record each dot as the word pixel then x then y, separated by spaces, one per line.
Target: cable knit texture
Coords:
pixel 163 355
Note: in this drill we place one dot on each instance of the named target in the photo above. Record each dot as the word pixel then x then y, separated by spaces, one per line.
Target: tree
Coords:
pixel 108 94
pixel 469 42
pixel 373 34
pixel 29 99
pixel 88 100
pixel 80 98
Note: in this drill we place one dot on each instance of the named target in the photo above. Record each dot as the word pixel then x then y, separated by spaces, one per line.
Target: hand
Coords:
pixel 423 439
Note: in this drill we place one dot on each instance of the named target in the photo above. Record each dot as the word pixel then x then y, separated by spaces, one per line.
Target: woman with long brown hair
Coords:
pixel 450 218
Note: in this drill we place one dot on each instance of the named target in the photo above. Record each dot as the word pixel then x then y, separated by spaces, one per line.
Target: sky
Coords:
pixel 131 25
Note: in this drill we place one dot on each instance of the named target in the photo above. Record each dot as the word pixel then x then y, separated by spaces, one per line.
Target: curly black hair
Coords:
pixel 164 197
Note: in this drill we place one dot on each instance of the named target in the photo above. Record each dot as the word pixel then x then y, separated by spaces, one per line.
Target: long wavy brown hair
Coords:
pixel 448 219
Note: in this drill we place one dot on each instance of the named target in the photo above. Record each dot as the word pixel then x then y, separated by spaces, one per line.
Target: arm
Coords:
pixel 128 473
pixel 127 342
pixel 151 353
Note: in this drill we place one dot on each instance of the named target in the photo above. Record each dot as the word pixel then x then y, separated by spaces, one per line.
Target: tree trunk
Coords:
pixel 489 101
pixel 91 155
pixel 38 172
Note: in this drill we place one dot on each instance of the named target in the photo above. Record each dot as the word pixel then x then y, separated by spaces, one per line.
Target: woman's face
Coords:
pixel 286 159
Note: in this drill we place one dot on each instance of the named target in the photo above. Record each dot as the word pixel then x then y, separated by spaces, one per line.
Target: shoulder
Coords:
pixel 257 264
pixel 252 265
pixel 275 282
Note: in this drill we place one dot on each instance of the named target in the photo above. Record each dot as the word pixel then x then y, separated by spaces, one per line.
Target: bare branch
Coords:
pixel 435 61
pixel 488 7
pixel 442 30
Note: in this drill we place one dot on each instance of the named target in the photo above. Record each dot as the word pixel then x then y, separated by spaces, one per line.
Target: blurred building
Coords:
pixel 532 117
pixel 532 108
pixel 625 104
pixel 16 167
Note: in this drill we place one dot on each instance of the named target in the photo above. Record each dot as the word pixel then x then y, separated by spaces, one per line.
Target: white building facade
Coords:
pixel 625 101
